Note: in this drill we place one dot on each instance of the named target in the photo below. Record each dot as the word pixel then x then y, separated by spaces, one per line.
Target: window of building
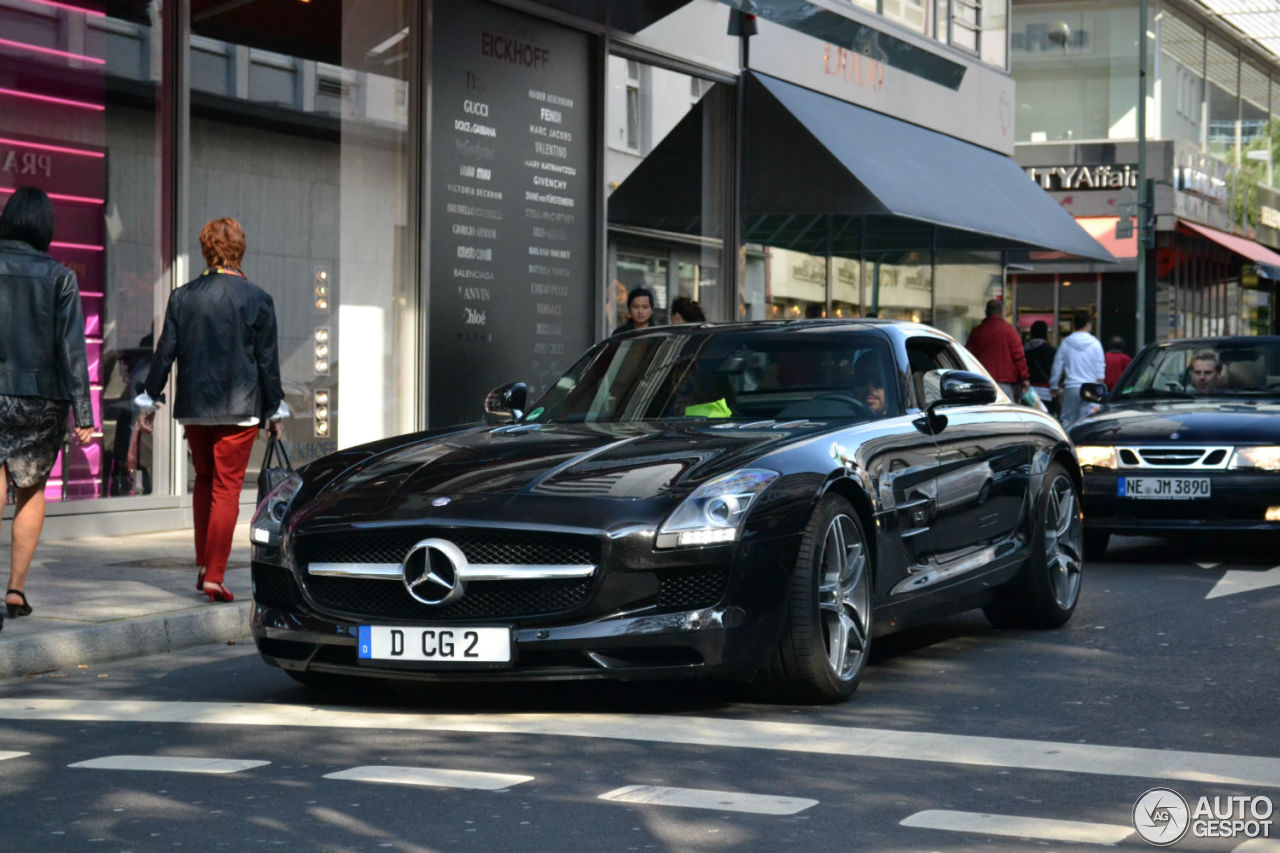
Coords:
pixel 300 129
pixel 79 118
pixel 667 195
pixel 1222 70
pixel 634 116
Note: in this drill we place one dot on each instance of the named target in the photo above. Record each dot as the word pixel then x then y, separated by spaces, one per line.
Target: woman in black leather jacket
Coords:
pixel 221 330
pixel 43 372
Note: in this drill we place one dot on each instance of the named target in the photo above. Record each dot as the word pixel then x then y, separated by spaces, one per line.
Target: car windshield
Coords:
pixel 1230 367
pixel 784 374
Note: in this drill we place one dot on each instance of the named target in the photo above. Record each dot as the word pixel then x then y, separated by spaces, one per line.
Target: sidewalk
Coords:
pixel 103 598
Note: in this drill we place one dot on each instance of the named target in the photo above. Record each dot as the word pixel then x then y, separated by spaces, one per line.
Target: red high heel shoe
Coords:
pixel 217 592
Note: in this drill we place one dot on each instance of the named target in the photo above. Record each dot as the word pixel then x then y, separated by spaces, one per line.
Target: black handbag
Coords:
pixel 275 468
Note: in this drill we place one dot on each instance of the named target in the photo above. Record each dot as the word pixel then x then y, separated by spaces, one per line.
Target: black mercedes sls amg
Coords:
pixel 753 501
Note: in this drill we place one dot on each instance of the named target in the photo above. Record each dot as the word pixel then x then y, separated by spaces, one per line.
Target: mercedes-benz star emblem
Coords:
pixel 433 571
pixel 441 501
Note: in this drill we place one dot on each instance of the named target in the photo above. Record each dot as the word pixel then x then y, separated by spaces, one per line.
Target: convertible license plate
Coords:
pixel 1163 488
pixel 434 644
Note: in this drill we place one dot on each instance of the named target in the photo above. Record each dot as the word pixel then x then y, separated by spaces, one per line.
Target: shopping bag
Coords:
pixel 1031 398
pixel 275 468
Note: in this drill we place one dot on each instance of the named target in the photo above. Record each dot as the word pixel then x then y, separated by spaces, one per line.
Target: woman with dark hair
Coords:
pixel 686 310
pixel 221 330
pixel 43 372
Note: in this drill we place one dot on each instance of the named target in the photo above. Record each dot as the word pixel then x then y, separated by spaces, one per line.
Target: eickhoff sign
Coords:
pixel 1103 177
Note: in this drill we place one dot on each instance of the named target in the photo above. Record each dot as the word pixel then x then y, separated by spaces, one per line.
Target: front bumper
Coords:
pixel 1238 501
pixel 647 614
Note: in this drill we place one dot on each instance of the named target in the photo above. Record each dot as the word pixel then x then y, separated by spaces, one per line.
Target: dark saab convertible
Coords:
pixel 1189 440
pixel 751 501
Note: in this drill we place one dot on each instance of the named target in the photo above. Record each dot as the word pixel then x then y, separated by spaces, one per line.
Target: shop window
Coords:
pixel 303 135
pixel 81 106
pixel 668 186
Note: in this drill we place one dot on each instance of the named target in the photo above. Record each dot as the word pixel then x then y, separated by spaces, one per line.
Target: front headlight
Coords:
pixel 1265 458
pixel 265 529
pixel 714 512
pixel 1096 456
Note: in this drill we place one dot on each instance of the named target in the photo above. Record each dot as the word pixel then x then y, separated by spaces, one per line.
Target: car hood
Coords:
pixel 1214 421
pixel 594 461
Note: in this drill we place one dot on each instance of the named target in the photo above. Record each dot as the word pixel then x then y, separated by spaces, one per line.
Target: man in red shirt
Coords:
pixel 997 344
pixel 1116 360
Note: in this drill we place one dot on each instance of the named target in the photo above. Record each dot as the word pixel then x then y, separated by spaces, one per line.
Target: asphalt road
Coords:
pixel 962 737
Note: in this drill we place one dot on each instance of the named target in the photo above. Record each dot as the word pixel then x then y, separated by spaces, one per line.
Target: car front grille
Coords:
pixel 511 547
pixel 482 599
pixel 684 589
pixel 496 599
pixel 274 586
pixel 1177 456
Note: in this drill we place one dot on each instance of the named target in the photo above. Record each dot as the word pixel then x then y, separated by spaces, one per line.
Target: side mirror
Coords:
pixel 1093 392
pixel 962 388
pixel 506 403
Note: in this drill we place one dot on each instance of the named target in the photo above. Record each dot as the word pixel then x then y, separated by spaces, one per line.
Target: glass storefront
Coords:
pixel 437 197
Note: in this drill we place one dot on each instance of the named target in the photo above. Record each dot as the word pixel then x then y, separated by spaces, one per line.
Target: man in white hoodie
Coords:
pixel 1079 360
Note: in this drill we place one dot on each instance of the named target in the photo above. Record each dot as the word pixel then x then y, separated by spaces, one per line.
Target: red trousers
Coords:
pixel 220 455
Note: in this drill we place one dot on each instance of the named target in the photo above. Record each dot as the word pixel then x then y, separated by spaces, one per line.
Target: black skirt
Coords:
pixel 32 431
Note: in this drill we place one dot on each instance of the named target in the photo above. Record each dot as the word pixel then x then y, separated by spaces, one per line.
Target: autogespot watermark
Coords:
pixel 1163 817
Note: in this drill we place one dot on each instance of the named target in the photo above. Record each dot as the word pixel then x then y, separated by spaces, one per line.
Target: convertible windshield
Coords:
pixel 783 374
pixel 1227 367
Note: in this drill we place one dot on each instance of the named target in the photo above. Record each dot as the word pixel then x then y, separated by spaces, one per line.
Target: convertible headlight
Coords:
pixel 1096 456
pixel 265 529
pixel 714 512
pixel 1266 458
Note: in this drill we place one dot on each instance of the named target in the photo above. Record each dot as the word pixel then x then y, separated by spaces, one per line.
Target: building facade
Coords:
pixel 444 195
pixel 1212 109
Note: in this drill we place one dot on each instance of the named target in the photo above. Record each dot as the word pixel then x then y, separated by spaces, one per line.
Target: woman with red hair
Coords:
pixel 221 329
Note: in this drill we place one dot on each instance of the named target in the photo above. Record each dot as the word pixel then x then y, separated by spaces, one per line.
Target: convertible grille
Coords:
pixel 274 586
pixel 497 599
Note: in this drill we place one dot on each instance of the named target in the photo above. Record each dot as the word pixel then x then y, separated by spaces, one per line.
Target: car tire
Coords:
pixel 822 653
pixel 1046 589
pixel 1095 543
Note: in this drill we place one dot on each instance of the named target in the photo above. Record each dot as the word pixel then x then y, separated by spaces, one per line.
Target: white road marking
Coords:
pixel 1258 845
pixel 169 764
pixel 1019 827
pixel 436 777
pixel 1233 581
pixel 4 755
pixel 1207 767
pixel 695 798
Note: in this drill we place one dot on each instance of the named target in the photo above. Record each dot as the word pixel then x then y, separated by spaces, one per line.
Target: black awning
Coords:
pixel 826 177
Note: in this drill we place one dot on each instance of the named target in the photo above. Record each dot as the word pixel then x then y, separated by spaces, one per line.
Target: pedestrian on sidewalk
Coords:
pixel 997 344
pixel 1079 360
pixel 43 373
pixel 1040 355
pixel 1117 360
pixel 221 329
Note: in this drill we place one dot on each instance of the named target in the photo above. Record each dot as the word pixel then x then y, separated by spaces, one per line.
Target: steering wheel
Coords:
pixel 860 409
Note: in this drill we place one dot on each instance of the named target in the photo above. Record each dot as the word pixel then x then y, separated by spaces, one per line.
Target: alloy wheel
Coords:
pixel 844 597
pixel 1063 541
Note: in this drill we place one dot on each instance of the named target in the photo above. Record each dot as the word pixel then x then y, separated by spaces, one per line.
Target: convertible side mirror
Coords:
pixel 1093 392
pixel 506 403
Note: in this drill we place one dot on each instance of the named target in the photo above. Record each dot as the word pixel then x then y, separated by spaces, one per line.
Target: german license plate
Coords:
pixel 1163 488
pixel 435 644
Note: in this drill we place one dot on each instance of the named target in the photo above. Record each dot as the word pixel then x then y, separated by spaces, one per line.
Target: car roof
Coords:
pixel 892 328
pixel 1233 340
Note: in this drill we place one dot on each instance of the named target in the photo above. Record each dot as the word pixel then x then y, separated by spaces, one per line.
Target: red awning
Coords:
pixel 1102 229
pixel 1242 246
